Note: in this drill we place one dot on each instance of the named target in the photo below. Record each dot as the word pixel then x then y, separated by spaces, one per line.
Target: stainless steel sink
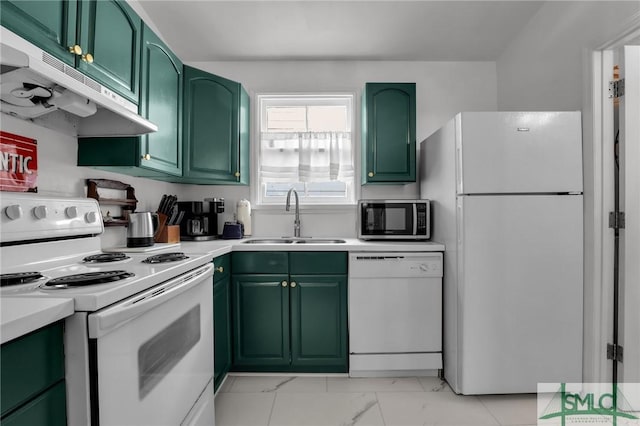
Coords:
pixel 294 241
pixel 268 241
pixel 320 241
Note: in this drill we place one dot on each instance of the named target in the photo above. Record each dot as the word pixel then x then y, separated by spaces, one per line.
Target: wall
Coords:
pixel 543 66
pixel 443 89
pixel 59 176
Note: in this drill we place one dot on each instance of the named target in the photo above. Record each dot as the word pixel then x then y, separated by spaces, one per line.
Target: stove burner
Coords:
pixel 105 257
pixel 165 257
pixel 17 278
pixel 89 278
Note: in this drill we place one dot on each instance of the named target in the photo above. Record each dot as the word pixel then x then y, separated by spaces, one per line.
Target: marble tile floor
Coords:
pixel 263 400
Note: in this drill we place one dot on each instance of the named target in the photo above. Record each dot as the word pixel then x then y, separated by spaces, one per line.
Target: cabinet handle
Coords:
pixel 75 49
pixel 146 157
pixel 370 174
pixel 220 269
pixel 237 174
pixel 88 58
pixel 284 283
pixel 293 284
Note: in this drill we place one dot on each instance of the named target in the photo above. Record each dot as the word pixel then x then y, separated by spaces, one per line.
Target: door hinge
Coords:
pixel 616 220
pixel 616 88
pixel 614 352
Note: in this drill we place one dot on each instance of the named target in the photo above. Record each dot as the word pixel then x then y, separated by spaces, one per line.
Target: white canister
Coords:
pixel 244 215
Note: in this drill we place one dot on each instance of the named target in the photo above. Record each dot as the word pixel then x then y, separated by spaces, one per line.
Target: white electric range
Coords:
pixel 139 348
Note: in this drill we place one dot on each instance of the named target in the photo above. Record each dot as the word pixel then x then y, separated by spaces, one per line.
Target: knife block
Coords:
pixel 169 234
pixel 166 233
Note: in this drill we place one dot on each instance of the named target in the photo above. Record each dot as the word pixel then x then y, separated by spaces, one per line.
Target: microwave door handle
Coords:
pixel 415 218
pixel 103 322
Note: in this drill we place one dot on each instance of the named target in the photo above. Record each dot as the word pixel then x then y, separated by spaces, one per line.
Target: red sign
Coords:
pixel 18 163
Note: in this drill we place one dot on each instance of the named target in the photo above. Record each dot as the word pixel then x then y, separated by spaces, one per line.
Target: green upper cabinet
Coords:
pixel 111 31
pixel 99 37
pixel 216 130
pixel 389 133
pixel 50 25
pixel 154 154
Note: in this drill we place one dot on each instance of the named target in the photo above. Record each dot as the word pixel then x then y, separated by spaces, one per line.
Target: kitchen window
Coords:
pixel 305 143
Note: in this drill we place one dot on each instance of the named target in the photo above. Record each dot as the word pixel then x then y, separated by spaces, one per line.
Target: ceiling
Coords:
pixel 212 30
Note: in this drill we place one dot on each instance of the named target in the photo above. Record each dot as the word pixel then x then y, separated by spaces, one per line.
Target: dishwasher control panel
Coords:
pixel 395 265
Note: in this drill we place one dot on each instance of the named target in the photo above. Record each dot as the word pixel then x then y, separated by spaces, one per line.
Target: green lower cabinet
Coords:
pixel 293 322
pixel 32 378
pixel 221 320
pixel 260 322
pixel 319 323
pixel 49 409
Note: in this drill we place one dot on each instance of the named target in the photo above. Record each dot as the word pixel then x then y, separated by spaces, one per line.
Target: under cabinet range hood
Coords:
pixel 34 83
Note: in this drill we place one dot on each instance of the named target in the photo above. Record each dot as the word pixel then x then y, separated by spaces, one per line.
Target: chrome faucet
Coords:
pixel 296 222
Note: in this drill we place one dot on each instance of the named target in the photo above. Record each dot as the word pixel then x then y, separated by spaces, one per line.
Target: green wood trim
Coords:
pixel 318 262
pixel 260 262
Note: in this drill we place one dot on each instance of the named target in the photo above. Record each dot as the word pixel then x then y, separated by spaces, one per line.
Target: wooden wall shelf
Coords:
pixel 128 204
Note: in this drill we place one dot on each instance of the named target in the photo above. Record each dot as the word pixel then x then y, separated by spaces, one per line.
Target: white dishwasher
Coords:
pixel 395 314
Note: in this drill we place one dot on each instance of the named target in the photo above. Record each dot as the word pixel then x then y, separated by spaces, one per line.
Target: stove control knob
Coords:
pixel 13 212
pixel 90 217
pixel 40 212
pixel 71 212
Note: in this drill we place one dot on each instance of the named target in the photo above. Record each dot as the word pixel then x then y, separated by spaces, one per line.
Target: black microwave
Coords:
pixel 394 220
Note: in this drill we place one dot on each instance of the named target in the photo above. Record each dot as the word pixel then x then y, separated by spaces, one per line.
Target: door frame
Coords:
pixel 598 124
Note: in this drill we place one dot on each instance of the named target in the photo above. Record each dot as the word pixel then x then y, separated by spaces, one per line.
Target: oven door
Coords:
pixel 151 355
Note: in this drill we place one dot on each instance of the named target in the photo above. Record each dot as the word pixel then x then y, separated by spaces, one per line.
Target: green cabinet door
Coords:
pixel 161 103
pixel 50 24
pixel 260 322
pixel 111 31
pixel 155 154
pixel 216 129
pixel 319 323
pixel 389 133
pixel 221 318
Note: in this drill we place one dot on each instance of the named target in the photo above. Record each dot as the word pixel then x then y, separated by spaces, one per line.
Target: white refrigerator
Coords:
pixel 506 192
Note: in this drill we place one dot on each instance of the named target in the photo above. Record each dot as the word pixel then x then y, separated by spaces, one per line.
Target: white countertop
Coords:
pixel 22 315
pixel 220 247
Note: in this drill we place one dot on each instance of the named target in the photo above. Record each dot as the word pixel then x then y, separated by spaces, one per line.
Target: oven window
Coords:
pixel 162 352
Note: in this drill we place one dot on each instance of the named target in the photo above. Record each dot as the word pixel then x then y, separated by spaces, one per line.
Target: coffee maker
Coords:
pixel 200 221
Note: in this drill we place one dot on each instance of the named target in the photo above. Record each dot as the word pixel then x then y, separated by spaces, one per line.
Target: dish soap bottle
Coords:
pixel 244 215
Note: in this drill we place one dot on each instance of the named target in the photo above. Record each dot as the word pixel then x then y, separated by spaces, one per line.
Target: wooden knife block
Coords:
pixel 166 233
pixel 169 234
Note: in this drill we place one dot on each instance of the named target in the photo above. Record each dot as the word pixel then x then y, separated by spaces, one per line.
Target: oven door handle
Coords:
pixel 105 321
